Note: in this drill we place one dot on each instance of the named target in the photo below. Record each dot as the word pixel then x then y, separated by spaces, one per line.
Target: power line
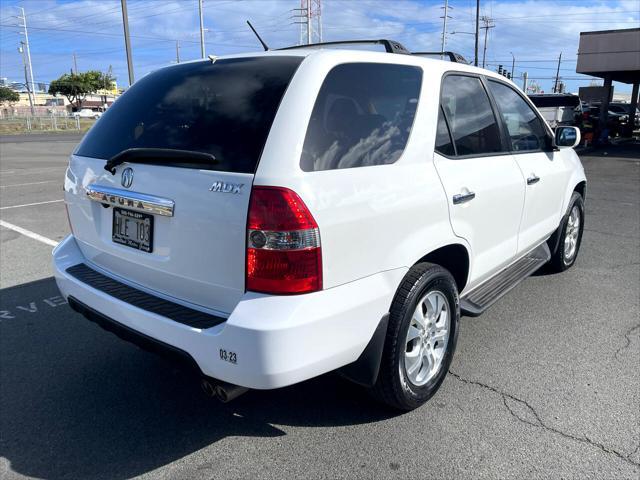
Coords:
pixel 161 39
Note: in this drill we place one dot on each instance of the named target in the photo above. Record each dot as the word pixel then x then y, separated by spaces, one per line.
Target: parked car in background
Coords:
pixel 615 121
pixel 559 108
pixel 87 113
pixel 625 109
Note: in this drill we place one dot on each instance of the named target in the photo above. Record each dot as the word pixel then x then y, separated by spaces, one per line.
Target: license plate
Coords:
pixel 133 229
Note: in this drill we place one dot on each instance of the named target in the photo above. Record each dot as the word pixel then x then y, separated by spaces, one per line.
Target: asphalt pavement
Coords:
pixel 546 384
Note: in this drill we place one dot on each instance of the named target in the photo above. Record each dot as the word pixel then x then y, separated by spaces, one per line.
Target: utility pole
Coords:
pixel 310 12
pixel 202 51
pixel 31 88
pixel 475 61
pixel 127 40
pixel 555 85
pixel 75 63
pixel 177 51
pixel 488 23
pixel 525 77
pixel 513 65
pixel 319 18
pixel 444 25
pixel 21 49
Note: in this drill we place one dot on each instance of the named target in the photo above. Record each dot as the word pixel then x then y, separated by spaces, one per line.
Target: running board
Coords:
pixel 477 301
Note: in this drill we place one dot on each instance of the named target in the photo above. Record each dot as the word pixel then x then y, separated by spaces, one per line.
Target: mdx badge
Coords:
pixel 127 177
pixel 224 187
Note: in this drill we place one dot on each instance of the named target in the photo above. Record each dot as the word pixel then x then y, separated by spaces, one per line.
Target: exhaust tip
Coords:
pixel 221 394
pixel 227 392
pixel 208 388
pixel 223 391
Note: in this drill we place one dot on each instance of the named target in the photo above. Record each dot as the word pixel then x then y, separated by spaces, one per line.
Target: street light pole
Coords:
pixel 127 40
pixel 202 50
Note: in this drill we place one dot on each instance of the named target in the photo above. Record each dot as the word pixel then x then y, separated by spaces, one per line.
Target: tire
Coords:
pixel 565 255
pixel 424 284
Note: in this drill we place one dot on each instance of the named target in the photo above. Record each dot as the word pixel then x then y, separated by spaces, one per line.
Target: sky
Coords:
pixel 534 32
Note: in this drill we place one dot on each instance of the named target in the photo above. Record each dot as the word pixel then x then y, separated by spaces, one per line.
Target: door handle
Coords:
pixel 463 197
pixel 533 179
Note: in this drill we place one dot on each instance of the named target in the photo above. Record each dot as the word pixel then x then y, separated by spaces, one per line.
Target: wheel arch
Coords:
pixel 581 188
pixel 455 258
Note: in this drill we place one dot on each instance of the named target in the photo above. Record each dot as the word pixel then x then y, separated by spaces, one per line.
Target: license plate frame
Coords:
pixel 121 222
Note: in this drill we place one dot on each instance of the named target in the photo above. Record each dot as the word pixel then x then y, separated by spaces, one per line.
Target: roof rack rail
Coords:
pixel 390 46
pixel 453 56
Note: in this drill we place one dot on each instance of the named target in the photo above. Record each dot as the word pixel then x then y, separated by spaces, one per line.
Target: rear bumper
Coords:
pixel 277 340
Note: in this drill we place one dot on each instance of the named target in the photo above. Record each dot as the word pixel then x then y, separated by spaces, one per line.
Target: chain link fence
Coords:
pixel 44 123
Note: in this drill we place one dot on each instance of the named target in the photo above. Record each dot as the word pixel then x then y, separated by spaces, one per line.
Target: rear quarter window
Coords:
pixel 362 117
pixel 224 108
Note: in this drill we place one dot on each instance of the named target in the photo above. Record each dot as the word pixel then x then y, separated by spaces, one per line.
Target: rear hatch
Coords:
pixel 183 144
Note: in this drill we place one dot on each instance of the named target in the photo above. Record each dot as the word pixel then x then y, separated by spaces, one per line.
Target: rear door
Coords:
pixel 172 217
pixel 546 174
pixel 482 181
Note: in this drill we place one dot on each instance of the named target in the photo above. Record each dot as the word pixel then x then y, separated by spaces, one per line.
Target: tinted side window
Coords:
pixel 224 108
pixel 444 145
pixel 471 120
pixel 525 129
pixel 363 116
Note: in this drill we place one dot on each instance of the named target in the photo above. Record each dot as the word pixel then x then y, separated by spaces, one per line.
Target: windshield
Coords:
pixel 224 109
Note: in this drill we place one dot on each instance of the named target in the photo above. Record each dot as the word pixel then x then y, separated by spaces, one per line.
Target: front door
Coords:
pixel 544 171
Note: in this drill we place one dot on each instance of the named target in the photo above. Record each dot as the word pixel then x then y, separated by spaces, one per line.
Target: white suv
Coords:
pixel 275 216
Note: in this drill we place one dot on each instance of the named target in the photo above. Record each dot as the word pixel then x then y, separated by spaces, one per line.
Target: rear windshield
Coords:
pixel 224 108
pixel 553 101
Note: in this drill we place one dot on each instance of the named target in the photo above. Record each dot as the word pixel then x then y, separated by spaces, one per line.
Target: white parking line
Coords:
pixel 31 171
pixel 30 183
pixel 30 204
pixel 28 233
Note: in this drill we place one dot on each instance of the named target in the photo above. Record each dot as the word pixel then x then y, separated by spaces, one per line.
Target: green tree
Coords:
pixel 8 95
pixel 76 86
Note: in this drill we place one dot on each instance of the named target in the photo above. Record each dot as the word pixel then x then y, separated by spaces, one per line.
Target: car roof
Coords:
pixel 341 55
pixel 346 55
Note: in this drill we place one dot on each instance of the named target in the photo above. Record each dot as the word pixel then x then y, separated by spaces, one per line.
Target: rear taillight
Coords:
pixel 283 244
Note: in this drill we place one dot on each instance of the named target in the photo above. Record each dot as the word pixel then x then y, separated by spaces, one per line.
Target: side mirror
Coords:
pixel 567 137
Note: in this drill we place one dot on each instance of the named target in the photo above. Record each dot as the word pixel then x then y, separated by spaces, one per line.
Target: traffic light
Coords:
pixel 499 69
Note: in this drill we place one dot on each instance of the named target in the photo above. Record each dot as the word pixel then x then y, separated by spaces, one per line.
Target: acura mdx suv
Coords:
pixel 271 217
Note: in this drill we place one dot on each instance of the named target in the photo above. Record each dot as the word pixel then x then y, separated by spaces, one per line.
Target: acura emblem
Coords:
pixel 127 177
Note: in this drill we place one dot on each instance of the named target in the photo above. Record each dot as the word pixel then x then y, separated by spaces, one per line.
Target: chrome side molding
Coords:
pixel 140 202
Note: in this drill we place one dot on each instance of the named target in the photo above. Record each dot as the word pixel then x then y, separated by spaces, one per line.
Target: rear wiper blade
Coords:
pixel 159 156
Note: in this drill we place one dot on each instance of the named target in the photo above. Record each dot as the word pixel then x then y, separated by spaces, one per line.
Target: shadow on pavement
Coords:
pixel 77 402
